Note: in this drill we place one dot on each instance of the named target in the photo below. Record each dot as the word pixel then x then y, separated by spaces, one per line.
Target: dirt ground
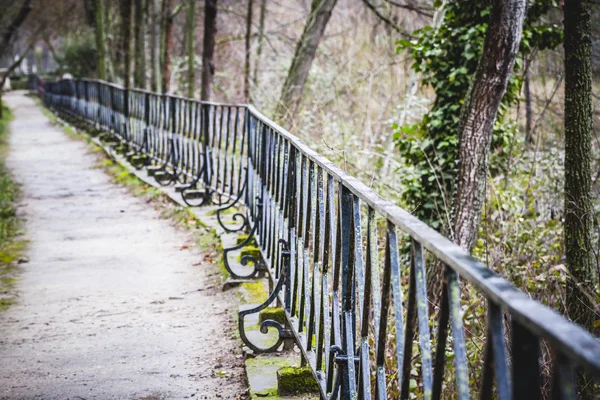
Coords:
pixel 114 303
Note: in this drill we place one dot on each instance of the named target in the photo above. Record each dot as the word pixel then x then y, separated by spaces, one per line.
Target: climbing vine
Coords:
pixel 447 58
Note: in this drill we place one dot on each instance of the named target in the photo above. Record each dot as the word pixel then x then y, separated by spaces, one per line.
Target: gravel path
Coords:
pixel 113 303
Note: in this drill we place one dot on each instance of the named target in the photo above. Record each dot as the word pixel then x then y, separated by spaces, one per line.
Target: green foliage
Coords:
pixel 79 58
pixel 448 57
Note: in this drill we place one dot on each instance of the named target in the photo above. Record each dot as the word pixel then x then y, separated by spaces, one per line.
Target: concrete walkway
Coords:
pixel 114 302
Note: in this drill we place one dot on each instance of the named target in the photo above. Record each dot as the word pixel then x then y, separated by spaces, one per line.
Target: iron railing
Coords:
pixel 333 250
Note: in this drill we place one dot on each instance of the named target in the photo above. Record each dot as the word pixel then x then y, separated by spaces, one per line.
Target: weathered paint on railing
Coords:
pixel 320 232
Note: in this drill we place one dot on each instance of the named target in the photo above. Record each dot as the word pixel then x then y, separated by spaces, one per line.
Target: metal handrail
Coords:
pixel 319 231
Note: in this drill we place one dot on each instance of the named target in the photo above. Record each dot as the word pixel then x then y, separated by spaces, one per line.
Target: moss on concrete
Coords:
pixel 261 372
pixel 253 292
pixel 296 380
pixel 250 251
pixel 242 238
pixel 228 211
pixel 272 313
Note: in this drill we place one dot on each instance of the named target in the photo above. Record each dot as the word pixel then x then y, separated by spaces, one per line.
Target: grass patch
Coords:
pixel 11 250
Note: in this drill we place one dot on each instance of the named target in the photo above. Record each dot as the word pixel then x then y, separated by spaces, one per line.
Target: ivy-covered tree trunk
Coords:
pixel 247 62
pixel 166 75
pixel 100 40
pixel 291 94
pixel 579 211
pixel 139 75
pixel 210 31
pixel 479 113
pixel 191 54
pixel 155 45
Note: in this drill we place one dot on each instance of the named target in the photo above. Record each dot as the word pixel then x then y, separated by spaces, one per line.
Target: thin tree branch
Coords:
pixel 15 64
pixel 410 7
pixel 382 17
pixel 541 114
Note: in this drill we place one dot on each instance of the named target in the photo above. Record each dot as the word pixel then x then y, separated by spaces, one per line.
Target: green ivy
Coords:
pixel 447 58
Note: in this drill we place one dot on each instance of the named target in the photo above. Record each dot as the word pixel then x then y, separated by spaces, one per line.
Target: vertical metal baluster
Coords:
pixel 283 199
pixel 418 279
pixel 335 337
pixel 244 138
pixel 318 262
pixel 525 362
pixel 458 336
pixel 325 330
pixel 198 140
pixel 277 210
pixel 297 224
pixel 212 121
pixel 393 263
pixel 234 138
pixel 187 140
pixel 226 157
pixel 383 322
pixel 373 257
pixel 218 150
pixel 269 192
pixel 364 383
pixel 289 214
pixel 358 258
pixel 304 224
pixel 315 192
pixel 496 357
pixel 206 147
pixel 348 389
pixel 564 383
pixel 264 180
pixel 300 230
pixel 308 227
pixel 225 134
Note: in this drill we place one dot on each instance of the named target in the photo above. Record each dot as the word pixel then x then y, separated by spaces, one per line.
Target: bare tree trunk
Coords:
pixel 528 111
pixel 210 31
pixel 6 39
pixel 247 63
pixel 14 25
pixel 191 53
pixel 139 76
pixel 126 6
pixel 291 94
pixel 168 45
pixel 10 70
pixel 155 45
pixel 479 112
pixel 100 40
pixel 261 32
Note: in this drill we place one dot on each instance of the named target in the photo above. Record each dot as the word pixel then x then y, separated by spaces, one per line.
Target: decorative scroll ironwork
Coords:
pixel 340 276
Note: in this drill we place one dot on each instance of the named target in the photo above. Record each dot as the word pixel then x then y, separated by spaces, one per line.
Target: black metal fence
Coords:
pixel 355 305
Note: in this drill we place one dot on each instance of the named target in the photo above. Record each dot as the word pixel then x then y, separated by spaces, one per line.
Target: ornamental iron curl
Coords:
pixel 331 247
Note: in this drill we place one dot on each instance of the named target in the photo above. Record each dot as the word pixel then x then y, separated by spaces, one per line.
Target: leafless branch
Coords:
pixel 419 10
pixel 382 17
pixel 15 64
